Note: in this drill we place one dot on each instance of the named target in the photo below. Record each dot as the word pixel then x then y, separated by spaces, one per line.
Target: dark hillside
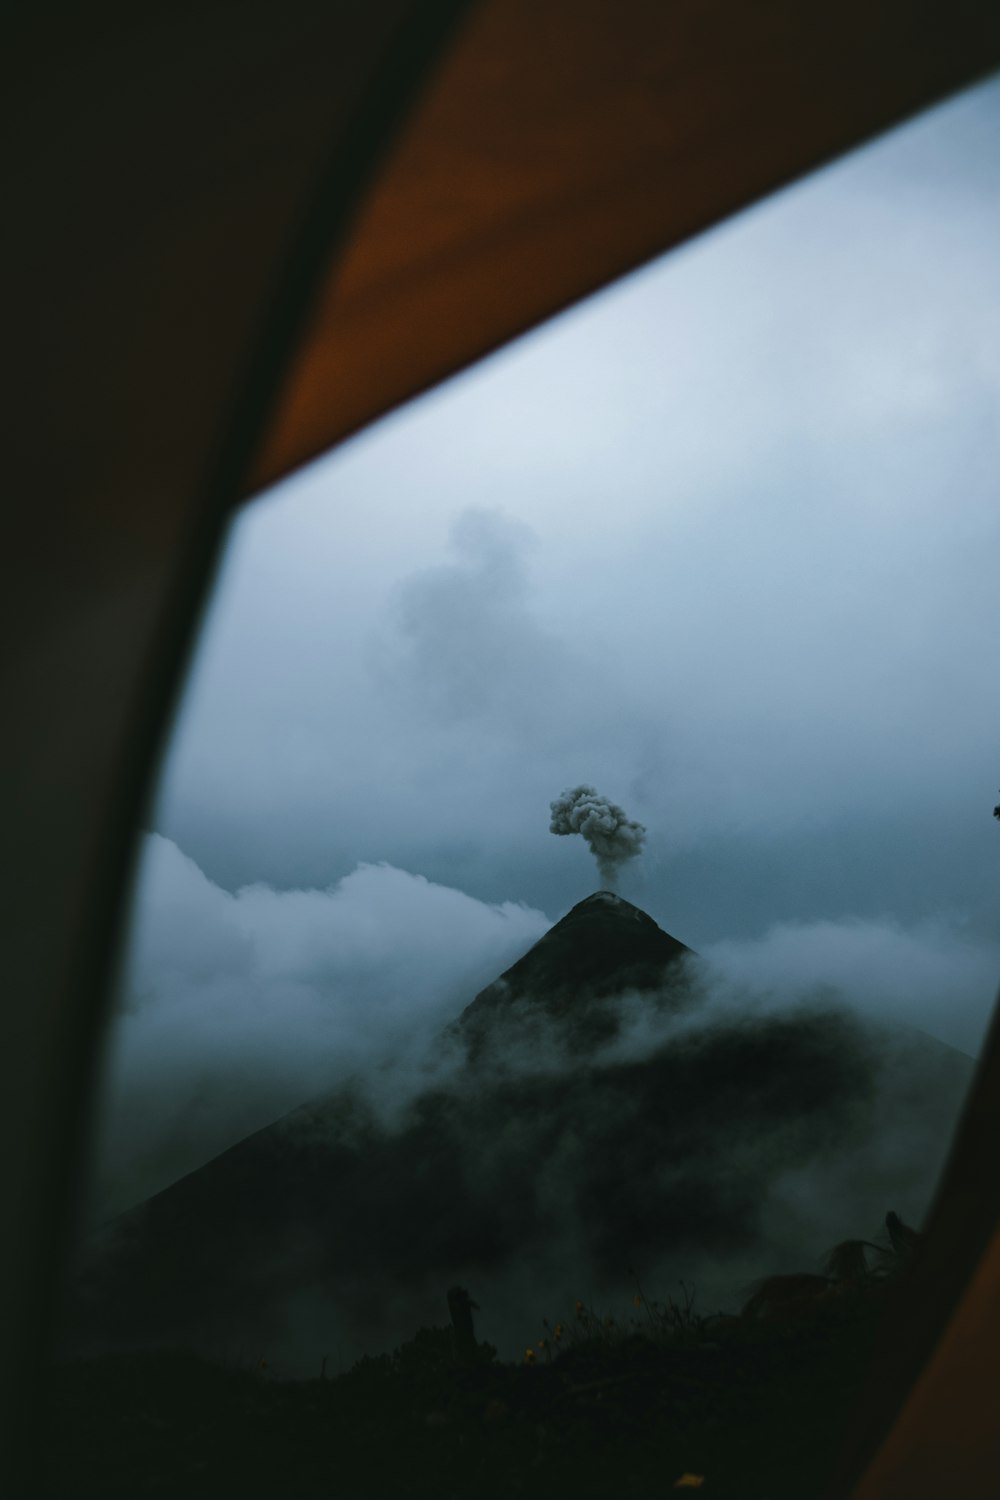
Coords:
pixel 734 1146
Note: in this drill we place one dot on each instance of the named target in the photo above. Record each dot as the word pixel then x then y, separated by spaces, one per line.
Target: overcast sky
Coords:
pixel 724 542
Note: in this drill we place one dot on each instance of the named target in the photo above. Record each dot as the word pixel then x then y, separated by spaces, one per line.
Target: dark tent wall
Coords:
pixel 175 176
pixel 179 181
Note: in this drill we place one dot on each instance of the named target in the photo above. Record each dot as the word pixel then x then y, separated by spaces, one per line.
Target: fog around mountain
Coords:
pixel 606 1106
pixel 236 1009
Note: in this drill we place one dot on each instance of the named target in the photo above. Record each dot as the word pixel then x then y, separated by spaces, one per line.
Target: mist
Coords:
pixel 234 1009
pixel 939 976
pixel 739 1122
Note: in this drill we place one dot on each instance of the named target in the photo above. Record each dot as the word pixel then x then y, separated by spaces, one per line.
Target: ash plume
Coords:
pixel 613 838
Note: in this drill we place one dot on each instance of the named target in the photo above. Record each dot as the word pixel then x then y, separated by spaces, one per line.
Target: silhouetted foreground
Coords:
pixel 750 1407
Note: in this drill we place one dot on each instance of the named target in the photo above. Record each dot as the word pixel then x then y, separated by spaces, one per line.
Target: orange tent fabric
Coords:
pixel 564 143
pixel 182 184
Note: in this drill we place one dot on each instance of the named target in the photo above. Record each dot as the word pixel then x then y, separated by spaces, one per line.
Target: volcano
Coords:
pixel 592 1110
pixel 602 948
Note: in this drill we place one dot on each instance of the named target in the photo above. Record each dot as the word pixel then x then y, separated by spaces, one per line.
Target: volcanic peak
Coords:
pixel 603 947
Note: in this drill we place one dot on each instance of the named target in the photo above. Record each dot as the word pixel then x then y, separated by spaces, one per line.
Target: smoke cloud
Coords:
pixel 611 836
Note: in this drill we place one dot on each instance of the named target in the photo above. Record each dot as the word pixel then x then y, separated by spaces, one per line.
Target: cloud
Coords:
pixel 734 1129
pixel 937 976
pixel 235 1009
pixel 463 642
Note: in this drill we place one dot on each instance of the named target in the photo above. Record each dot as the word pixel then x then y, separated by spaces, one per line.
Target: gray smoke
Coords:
pixel 613 837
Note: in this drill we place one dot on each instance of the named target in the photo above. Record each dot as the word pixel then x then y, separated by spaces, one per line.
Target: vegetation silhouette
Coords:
pixel 751 1405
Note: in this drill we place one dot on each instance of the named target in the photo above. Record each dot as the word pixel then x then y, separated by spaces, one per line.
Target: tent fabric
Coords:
pixel 926 1422
pixel 180 179
pixel 568 141
pixel 175 174
pixel 946 1438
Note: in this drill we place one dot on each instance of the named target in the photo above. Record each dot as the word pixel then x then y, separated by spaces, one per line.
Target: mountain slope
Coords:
pixel 536 1175
pixel 604 947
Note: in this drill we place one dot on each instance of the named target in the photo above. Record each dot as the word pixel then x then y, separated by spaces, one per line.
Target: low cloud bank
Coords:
pixel 937 976
pixel 736 1123
pixel 235 1009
